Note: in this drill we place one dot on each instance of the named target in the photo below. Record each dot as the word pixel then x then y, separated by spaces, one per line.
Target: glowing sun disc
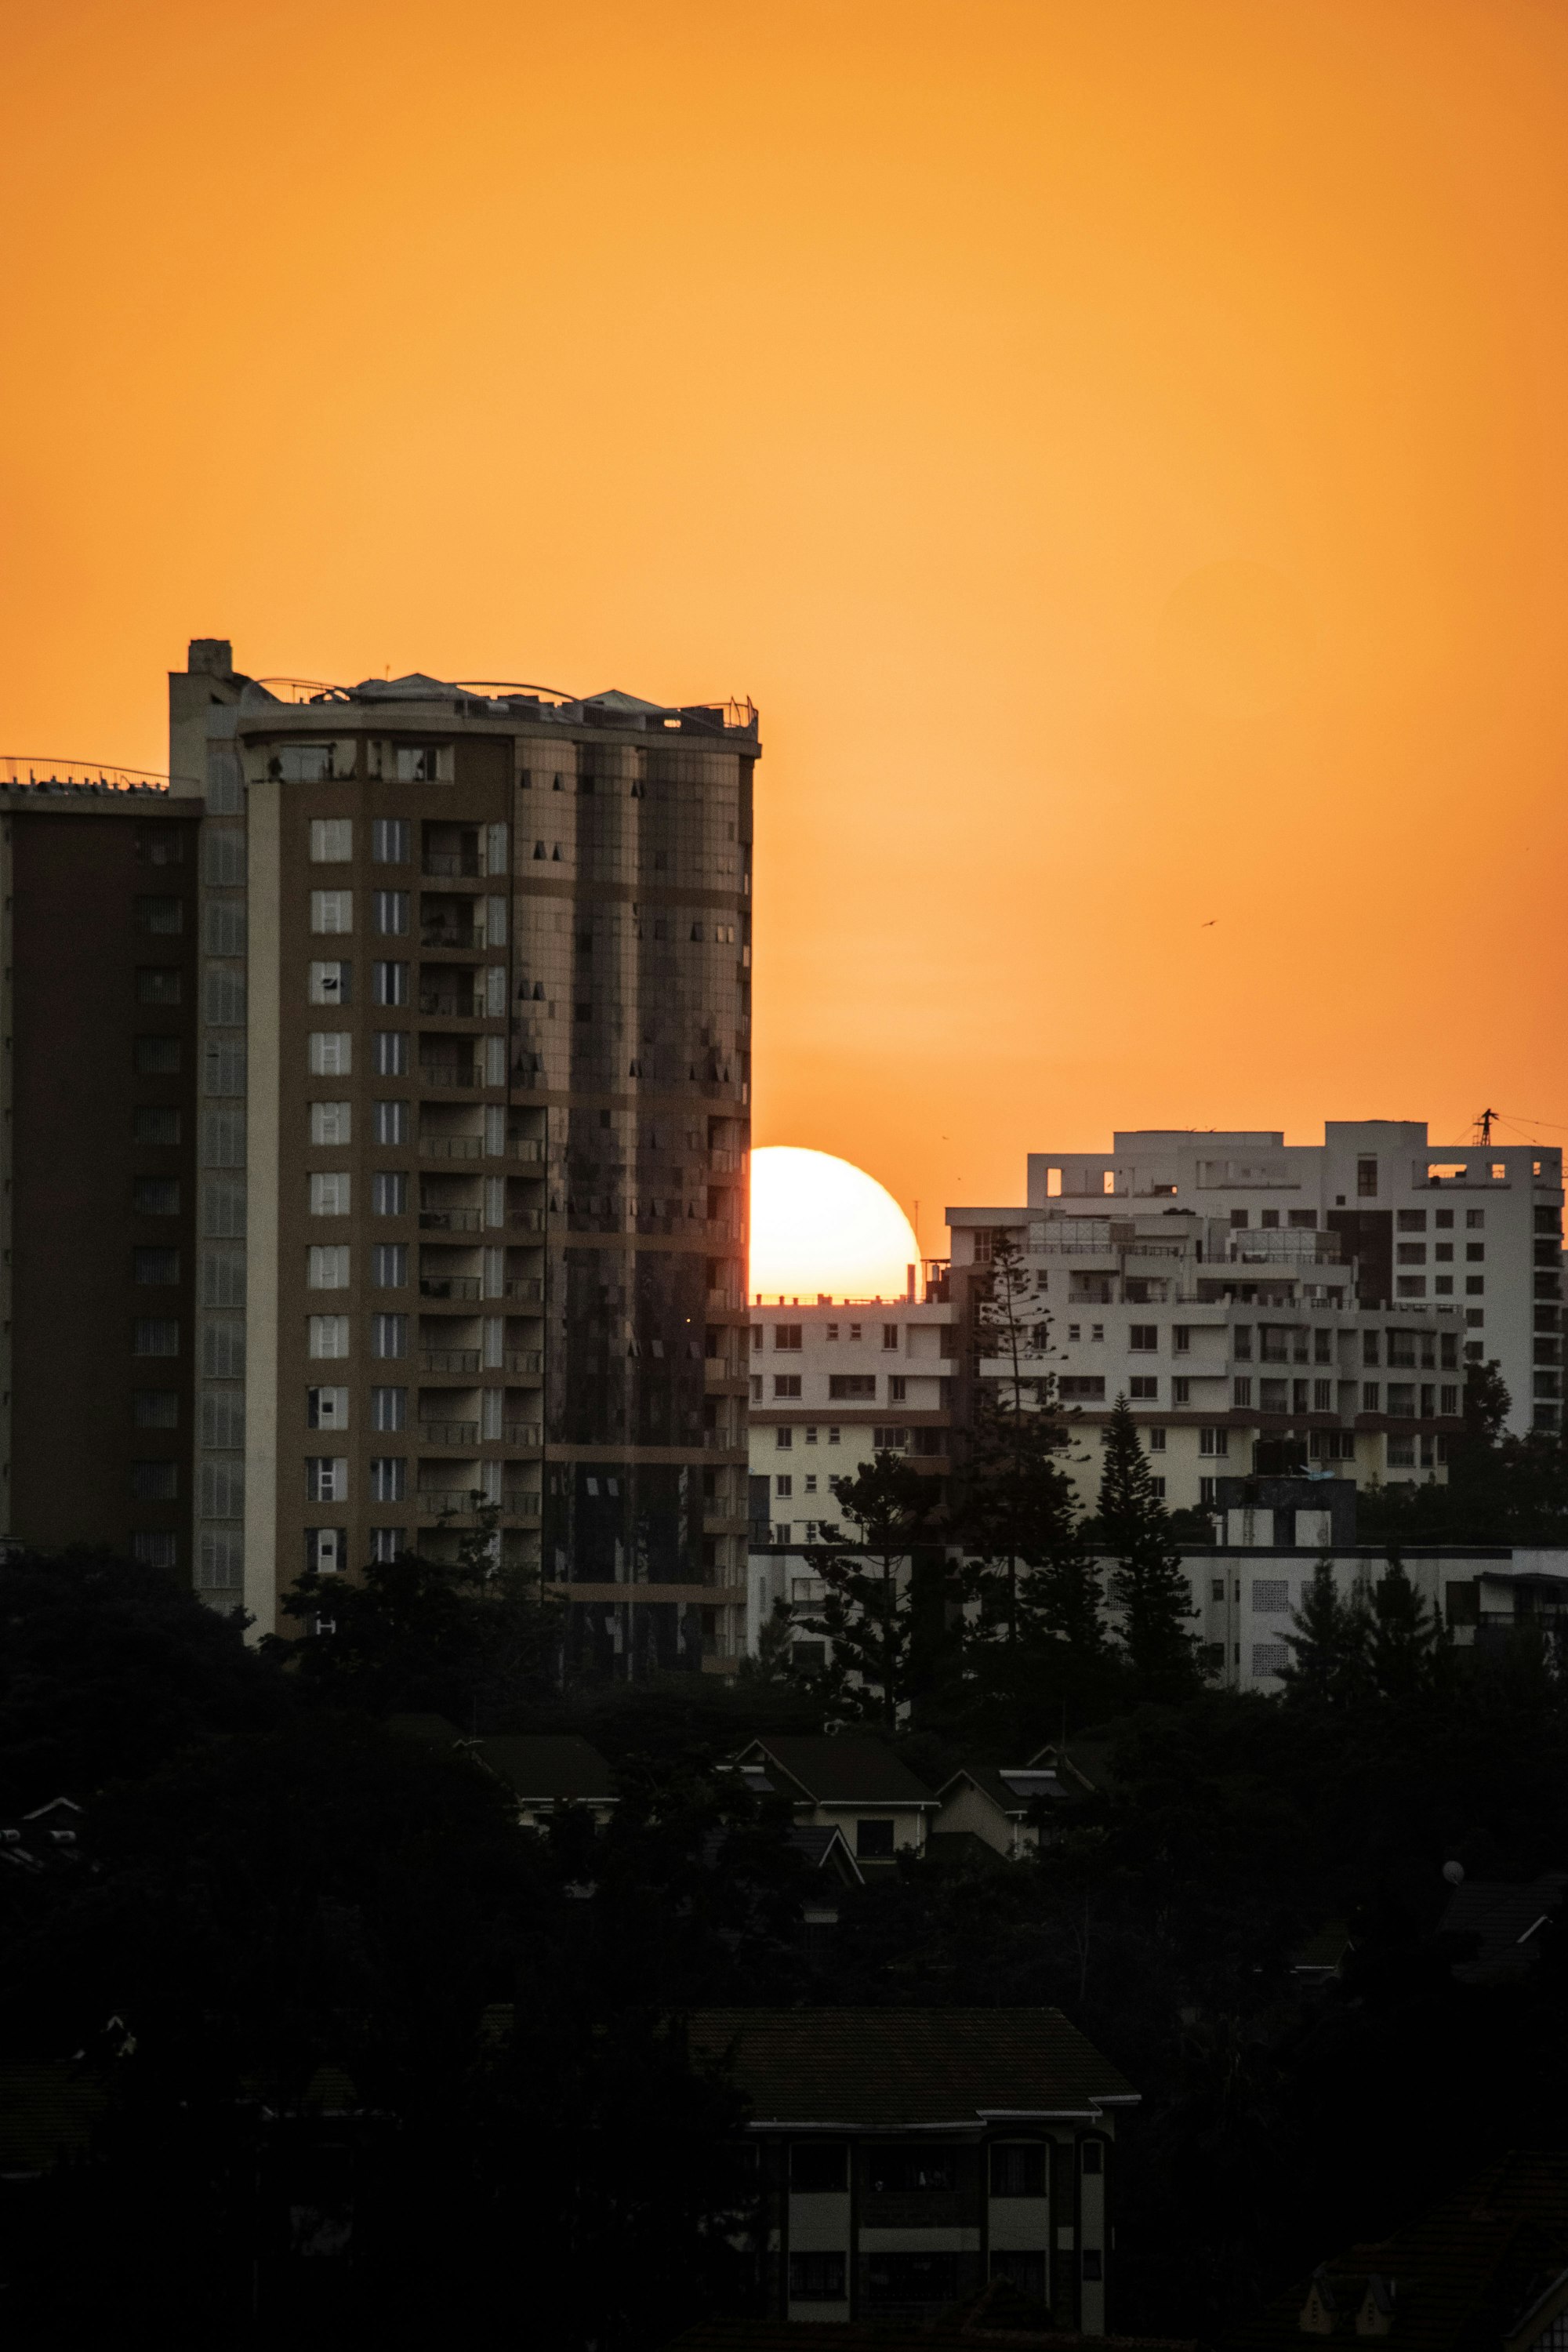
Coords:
pixel 821 1224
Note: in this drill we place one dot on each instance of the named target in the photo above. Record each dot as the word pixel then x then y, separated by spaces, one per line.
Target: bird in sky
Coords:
pixel 1210 924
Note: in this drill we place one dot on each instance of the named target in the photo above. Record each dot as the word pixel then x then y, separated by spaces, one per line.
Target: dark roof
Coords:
pixel 1086 1760
pixel 825 1848
pixel 548 1766
pixel 884 2067
pixel 430 1730
pixel 47 2113
pixel 963 1848
pixel 1462 2275
pixel 843 1770
pixel 1502 1920
pixel 997 1782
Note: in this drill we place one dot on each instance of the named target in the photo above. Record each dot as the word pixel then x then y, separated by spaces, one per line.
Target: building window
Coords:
pixel 326 1478
pixel 1181 1391
pixel 390 1120
pixel 1241 1343
pixel 889 1335
pixel 162 916
pixel 155 1057
pixel 157 984
pixel 818 2167
pixel 1156 1437
pixel 1182 1338
pixel 330 984
pixel 332 1122
pixel 326 1336
pixel 1270 1596
pixel 154 1267
pixel 389 1265
pixel 389 1193
pixel 1143 1388
pixel 912 2278
pixel 327 1267
pixel 389 1408
pixel 325 1550
pixel 890 1441
pixel 1475 1218
pixel 154 1547
pixel 154 1482
pixel 1475 1284
pixel 390 841
pixel 832 1436
pixel 783 1487
pixel 331 840
pixel 326 1408
pixel 873 1840
pixel 1323 1396
pixel 155 1196
pixel 388 1335
pixel 1366 1180
pixel 330 1053
pixel 1241 1389
pixel 1207 1492
pixel 389 983
pixel 816 2278
pixel 156 1409
pixel 1017 2170
pixel 784 1438
pixel 388 1478
pixel 390 1052
pixel 1143 1337
pixel 328 1192
pixel 151 1123
pixel 1401 1453
pixel 1411 1254
pixel 786 1384
pixel 390 913
pixel 1157 1487
pixel 1410 1286
pixel 844 1387
pixel 331 911
pixel 1214 1441
pixel 786 1336
pixel 898 1388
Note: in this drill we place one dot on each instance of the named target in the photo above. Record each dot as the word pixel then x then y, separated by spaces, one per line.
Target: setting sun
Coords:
pixel 819 1224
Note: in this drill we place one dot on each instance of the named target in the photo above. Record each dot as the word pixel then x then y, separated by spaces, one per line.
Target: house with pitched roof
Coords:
pixel 903 2157
pixel 846 1781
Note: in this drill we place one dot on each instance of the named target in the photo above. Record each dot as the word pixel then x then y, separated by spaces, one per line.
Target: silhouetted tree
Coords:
pixel 1148 1582
pixel 874 1610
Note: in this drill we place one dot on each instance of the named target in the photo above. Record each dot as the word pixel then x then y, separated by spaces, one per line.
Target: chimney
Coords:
pixel 210 657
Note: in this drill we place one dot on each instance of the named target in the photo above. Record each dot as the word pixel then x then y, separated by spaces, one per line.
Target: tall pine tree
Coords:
pixel 1148 1582
pixel 875 1605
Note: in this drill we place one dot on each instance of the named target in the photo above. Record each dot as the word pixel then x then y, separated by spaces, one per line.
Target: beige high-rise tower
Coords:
pixel 472 1132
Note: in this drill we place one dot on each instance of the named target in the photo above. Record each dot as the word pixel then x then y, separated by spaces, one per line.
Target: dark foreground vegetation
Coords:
pixel 300 1970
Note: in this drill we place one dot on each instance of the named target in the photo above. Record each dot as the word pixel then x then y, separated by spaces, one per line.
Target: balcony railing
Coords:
pixel 458 863
pixel 452 1146
pixel 523 1285
pixel 520 1432
pixel 433 1500
pixel 451 1221
pixel 449 1360
pixel 450 1286
pixel 520 1502
pixel 526 1147
pixel 449 1433
pixel 524 1360
pixel 452 1008
pixel 450 1074
pixel 451 935
pixel 527 1221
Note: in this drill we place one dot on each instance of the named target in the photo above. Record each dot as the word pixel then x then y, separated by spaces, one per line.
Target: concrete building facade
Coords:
pixel 377 1133
pixel 1263 1304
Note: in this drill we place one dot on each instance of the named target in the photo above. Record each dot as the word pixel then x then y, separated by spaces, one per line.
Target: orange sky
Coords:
pixel 1121 446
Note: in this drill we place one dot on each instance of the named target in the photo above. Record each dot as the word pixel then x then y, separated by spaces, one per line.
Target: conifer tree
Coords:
pixel 1404 1641
pixel 1148 1582
pixel 1016 1513
pixel 1329 1666
pixel 871 1603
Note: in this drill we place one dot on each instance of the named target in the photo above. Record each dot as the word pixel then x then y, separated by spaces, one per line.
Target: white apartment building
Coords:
pixel 832 1383
pixel 1316 1301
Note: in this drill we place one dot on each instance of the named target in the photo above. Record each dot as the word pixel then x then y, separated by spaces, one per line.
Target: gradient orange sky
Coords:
pixel 1120 445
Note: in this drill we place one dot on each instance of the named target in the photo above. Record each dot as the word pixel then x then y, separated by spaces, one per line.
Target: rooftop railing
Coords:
pixel 46 771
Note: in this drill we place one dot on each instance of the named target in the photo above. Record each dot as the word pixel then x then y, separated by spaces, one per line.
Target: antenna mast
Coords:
pixel 1484 1125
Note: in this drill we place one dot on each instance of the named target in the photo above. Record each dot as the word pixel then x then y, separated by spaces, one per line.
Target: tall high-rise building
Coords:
pixel 433 1029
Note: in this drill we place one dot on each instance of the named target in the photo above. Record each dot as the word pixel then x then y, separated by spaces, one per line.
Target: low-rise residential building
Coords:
pixel 1000 1806
pixel 905 2155
pixel 845 1782
pixel 1258 1302
pixel 833 1383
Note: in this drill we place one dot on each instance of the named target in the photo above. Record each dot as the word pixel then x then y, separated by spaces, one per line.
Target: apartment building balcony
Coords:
pixel 449 1432
pixel 452 1004
pixel 445 931
pixel 453 864
pixel 525 1359
pixel 521 1433
pixel 451 1221
pixel 449 1359
pixel 526 1147
pixel 434 1075
pixel 452 1286
pixel 452 1146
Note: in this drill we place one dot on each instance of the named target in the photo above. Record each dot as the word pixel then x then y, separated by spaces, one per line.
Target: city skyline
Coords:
pixel 1112 447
